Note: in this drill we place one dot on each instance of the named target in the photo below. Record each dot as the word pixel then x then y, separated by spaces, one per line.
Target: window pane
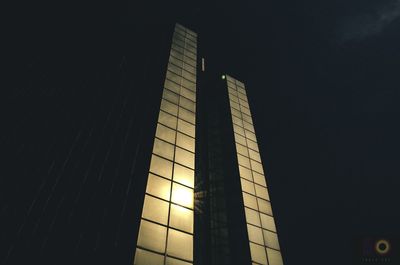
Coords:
pixel 252 216
pixel 243 102
pixel 158 187
pixel 191 86
pixel 233 97
pixel 181 218
pixel 245 173
pixel 163 149
pixel 247 118
pixel 250 201
pixel 261 192
pixel 251 136
pixel 174 68
pixel 152 236
pixel 234 105
pixel 259 179
pixel 241 149
pixel 180 245
pixel 237 121
pixel 143 257
pixel 155 209
pixel 267 222
pixel 258 254
pixel 189 76
pixel 254 155
pixel 248 126
pixel 238 129
pixel 182 195
pixel 165 133
pixel 170 96
pixel 174 77
pixel 161 166
pixel 257 167
pixel 188 94
pixel 271 239
pixel 184 157
pixel 172 261
pixel 186 115
pixel 240 139
pixel 167 119
pixel 255 234
pixel 236 113
pixel 243 161
pixel 274 257
pixel 169 107
pixel 174 87
pixel 264 206
pixel 185 141
pixel 186 127
pixel 247 186
pixel 184 175
pixel 187 104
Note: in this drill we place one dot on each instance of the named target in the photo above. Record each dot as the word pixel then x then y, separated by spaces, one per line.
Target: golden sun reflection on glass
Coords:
pixel 182 195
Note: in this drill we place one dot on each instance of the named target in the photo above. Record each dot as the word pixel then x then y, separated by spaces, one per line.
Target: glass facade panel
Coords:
pixel 161 166
pixel 271 239
pixel 267 222
pixel 250 201
pixel 242 150
pixel 185 142
pixel 165 133
pixel 265 206
pixel 184 175
pixel 252 216
pixel 245 173
pixel 184 157
pixel 172 261
pixel 243 161
pixel 182 195
pixel 169 107
pixel 255 234
pixel 180 245
pixel 247 186
pixel 274 257
pixel 261 192
pixel 152 236
pixel 181 218
pixel 255 155
pixel 186 128
pixel 163 149
pixel 187 115
pixel 167 119
pixel 171 96
pixel 258 254
pixel 187 104
pixel 155 210
pixel 143 257
pixel 159 187
pixel 259 179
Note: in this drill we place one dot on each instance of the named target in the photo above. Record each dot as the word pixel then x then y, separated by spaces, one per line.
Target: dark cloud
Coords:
pixel 368 24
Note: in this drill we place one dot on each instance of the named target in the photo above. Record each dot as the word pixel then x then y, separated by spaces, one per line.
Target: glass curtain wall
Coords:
pixel 166 227
pixel 264 245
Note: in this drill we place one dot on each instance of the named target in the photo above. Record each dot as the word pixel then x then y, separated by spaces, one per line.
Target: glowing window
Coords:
pixel 243 161
pixel 158 187
pixel 143 257
pixel 155 210
pixel 172 261
pixel 186 115
pixel 186 127
pixel 152 236
pixel 167 119
pixel 258 254
pixel 174 77
pixel 252 216
pixel 181 218
pixel 187 104
pixel 261 192
pixel 254 155
pixel 250 135
pixel 184 175
pixel 255 234
pixel 184 157
pixel 165 133
pixel 241 149
pixel 245 173
pixel 169 107
pixel 185 141
pixel 170 96
pixel 264 206
pixel 161 166
pixel 267 222
pixel 182 195
pixel 163 149
pixel 174 87
pixel 247 186
pixel 191 85
pixel 240 139
pixel 259 179
pixel 250 201
pixel 188 94
pixel 271 239
pixel 180 245
pixel 274 257
pixel 238 129
pixel 257 167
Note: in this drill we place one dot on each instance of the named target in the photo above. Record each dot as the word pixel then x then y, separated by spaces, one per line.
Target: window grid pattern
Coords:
pixel 264 245
pixel 166 227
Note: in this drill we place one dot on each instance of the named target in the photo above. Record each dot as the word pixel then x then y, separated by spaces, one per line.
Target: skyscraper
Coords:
pixel 234 221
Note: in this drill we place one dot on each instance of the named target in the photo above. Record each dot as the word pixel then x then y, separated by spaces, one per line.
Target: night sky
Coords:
pixel 323 83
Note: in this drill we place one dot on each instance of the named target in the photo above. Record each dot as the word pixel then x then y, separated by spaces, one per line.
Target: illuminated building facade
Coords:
pixel 216 158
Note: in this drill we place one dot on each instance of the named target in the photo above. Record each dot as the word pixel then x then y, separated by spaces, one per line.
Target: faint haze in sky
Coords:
pixel 368 24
